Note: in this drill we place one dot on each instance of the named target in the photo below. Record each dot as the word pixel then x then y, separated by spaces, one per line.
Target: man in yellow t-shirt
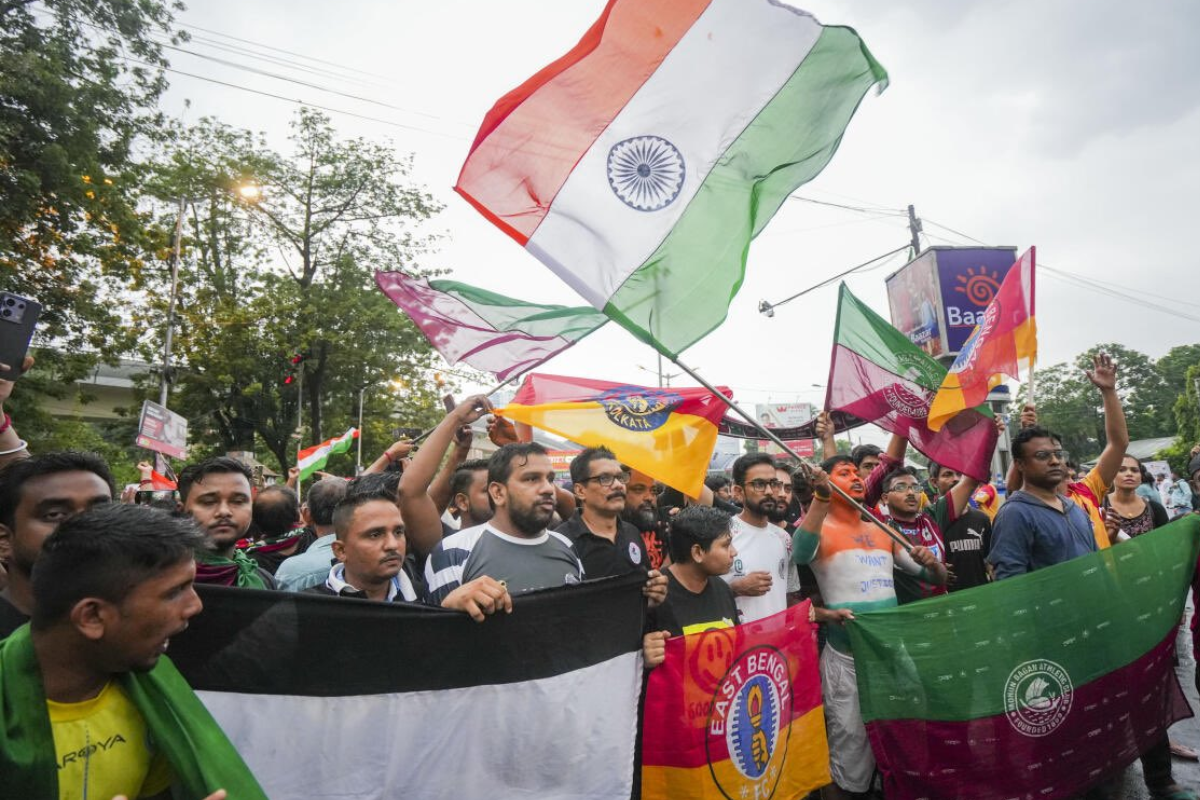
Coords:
pixel 104 749
pixel 92 710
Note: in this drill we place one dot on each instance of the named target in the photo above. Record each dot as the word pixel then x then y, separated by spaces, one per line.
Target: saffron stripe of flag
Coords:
pixel 879 376
pixel 669 434
pixel 1006 337
pixel 316 457
pixel 1040 685
pixel 491 332
pixel 393 700
pixel 639 166
pixel 737 712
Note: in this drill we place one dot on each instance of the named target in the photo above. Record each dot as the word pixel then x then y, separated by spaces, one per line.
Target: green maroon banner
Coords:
pixel 1041 685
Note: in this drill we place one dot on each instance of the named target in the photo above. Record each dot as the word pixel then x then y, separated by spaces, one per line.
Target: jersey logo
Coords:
pixel 636 408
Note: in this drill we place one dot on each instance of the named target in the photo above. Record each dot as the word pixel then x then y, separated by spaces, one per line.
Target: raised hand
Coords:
pixel 1103 373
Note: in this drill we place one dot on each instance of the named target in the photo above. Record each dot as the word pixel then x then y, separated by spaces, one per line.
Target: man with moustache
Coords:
pixel 216 493
pixel 760 574
pixel 514 546
pixel 641 511
pixel 36 495
pixel 606 544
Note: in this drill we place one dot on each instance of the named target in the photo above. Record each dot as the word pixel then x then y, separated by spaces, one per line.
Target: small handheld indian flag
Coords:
pixel 315 457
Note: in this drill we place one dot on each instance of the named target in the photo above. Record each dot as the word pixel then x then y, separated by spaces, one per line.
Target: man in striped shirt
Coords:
pixel 514 546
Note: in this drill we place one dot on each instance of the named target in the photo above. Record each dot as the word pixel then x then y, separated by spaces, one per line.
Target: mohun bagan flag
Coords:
pixel 1035 686
pixel 491 332
pixel 316 457
pixel 669 434
pixel 338 697
pixel 639 165
pixel 737 713
pixel 879 376
pixel 997 347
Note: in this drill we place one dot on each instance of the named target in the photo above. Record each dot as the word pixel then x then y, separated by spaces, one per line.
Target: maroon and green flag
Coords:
pixel 1037 686
pixel 879 376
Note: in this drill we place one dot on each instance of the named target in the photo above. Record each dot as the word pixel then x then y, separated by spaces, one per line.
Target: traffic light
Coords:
pixel 293 368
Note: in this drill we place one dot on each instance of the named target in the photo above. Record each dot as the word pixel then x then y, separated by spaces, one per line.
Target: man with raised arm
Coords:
pixel 853 562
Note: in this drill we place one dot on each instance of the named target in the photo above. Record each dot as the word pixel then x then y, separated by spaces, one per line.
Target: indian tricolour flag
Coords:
pixel 639 165
pixel 315 457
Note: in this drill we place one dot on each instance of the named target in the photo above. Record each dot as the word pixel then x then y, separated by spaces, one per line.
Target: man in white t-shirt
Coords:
pixel 759 577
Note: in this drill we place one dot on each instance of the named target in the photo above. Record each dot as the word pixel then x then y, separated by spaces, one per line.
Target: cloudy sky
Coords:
pixel 1069 125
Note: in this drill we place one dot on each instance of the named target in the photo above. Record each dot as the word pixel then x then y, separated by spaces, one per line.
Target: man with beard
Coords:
pixel 216 493
pixel 761 571
pixel 641 511
pixel 36 495
pixel 853 561
pixel 606 544
pixel 514 546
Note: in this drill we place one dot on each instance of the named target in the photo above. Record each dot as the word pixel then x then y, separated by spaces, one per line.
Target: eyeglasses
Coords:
pixel 787 487
pixel 1046 455
pixel 638 488
pixel 905 488
pixel 608 479
pixel 761 484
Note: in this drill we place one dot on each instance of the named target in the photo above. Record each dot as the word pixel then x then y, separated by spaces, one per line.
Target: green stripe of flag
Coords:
pixel 511 314
pixel 694 274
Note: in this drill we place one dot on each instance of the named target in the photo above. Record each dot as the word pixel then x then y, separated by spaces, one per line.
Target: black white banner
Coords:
pixel 331 697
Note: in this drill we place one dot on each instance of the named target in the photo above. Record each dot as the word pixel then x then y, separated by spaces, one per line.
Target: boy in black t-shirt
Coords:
pixel 701 550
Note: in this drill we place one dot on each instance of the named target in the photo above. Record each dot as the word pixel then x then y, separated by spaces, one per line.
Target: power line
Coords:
pixel 281 50
pixel 769 308
pixel 296 101
pixel 882 210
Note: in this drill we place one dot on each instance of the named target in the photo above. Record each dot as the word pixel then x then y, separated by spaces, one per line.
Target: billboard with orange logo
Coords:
pixel 937 298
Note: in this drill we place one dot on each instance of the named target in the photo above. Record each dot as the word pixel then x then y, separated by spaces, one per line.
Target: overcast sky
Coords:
pixel 1069 125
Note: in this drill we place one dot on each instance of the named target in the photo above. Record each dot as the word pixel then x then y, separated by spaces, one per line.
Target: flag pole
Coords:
pixel 425 433
pixel 887 529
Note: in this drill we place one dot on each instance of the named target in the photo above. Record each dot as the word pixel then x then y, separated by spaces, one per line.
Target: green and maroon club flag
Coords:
pixel 1037 686
pixel 879 376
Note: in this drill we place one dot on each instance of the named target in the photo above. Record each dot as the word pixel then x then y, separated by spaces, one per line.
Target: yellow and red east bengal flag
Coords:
pixel 1007 336
pixel 669 434
pixel 737 713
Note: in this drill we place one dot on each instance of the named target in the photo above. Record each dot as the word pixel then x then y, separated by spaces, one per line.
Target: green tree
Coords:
pixel 243 314
pixel 79 85
pixel 1070 406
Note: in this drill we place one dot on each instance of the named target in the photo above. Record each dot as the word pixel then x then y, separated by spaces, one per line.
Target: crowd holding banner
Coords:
pixel 439 627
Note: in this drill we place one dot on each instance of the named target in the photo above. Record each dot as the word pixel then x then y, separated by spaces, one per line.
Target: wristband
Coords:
pixel 22 446
pixel 145 480
pixel 388 455
pixel 4 426
pixel 825 498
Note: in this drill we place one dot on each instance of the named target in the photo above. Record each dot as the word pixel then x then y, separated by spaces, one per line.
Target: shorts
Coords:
pixel 851 762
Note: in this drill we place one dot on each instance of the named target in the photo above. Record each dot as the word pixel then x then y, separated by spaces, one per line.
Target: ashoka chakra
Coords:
pixel 645 172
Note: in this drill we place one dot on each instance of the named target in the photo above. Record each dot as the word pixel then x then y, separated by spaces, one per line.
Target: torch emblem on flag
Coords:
pixel 747 708
pixel 638 409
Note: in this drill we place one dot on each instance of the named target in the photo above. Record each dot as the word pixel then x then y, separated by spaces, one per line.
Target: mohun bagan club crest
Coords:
pixel 912 401
pixel 646 172
pixel 636 408
pixel 1037 697
pixel 750 719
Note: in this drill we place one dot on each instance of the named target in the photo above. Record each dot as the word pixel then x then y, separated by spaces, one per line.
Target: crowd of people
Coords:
pixel 93 590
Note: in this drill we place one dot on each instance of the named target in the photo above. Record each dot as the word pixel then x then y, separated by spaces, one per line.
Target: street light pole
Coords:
pixel 359 467
pixel 165 382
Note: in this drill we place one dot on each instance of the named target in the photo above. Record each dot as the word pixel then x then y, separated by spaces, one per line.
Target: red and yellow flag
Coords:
pixel 737 713
pixel 669 434
pixel 1007 336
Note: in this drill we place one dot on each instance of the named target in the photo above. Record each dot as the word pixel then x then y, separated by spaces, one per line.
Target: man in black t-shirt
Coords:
pixel 701 551
pixel 968 538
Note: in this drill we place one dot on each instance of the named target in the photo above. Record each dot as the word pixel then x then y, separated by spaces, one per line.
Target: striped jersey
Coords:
pixel 523 564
